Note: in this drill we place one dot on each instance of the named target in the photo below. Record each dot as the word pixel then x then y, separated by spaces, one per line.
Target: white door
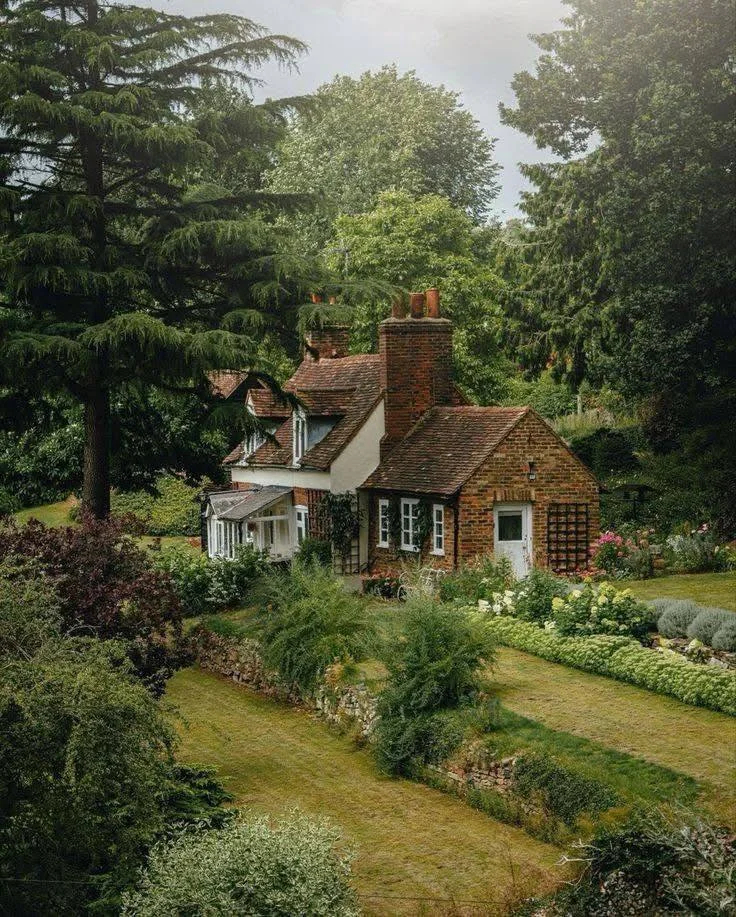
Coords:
pixel 512 535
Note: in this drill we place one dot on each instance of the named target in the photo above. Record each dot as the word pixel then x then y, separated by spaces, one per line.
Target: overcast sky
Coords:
pixel 471 46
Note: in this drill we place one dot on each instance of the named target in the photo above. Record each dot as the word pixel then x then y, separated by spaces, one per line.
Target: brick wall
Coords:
pixel 330 341
pixel 503 478
pixel 383 560
pixel 310 498
pixel 416 371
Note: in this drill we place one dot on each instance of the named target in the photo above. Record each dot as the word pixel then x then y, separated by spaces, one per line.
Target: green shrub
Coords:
pixel 308 621
pixel 725 637
pixel 479 580
pixel 707 622
pixel 172 510
pixel 562 792
pixel 436 668
pixel 533 596
pixel 601 610
pixel 626 660
pixel 315 551
pixel 249 867
pixel 8 503
pixel 674 616
pixel 653 865
pixel 205 585
pixel 697 552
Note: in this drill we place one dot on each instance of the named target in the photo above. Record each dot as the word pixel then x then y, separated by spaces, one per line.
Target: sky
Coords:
pixel 471 46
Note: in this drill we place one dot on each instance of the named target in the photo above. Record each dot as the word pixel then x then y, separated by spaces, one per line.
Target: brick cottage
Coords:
pixel 433 477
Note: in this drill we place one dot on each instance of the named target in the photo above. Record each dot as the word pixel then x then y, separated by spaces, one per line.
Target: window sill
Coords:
pixel 437 553
pixel 409 550
pixel 383 547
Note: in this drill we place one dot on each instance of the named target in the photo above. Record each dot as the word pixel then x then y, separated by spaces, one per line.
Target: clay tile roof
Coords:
pixel 444 448
pixel 347 388
pixel 226 381
pixel 268 404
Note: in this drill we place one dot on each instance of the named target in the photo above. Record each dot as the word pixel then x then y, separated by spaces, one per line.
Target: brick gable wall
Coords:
pixel 503 478
pixel 383 560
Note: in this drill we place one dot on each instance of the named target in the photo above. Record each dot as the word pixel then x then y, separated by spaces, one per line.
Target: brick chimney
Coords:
pixel 416 363
pixel 329 342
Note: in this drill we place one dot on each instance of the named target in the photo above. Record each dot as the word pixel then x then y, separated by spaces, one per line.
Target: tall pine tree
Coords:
pixel 120 259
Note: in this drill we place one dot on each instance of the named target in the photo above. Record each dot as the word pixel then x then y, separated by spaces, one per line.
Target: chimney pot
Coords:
pixel 416 305
pixel 332 300
pixel 316 298
pixel 433 302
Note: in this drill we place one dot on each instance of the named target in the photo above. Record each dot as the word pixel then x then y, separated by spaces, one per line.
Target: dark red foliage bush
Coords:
pixel 107 588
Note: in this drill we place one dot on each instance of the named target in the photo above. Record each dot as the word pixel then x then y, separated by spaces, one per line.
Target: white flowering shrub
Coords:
pixel 601 610
pixel 625 659
pixel 247 868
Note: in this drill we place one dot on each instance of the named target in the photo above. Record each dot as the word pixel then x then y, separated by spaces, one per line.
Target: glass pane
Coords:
pixel 509 526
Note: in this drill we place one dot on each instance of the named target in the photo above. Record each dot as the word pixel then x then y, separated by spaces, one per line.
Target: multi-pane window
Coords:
pixel 300 435
pixel 302 523
pixel 383 524
pixel 438 529
pixel 225 538
pixel 409 523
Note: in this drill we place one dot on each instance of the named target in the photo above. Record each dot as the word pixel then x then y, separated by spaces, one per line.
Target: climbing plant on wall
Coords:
pixel 340 518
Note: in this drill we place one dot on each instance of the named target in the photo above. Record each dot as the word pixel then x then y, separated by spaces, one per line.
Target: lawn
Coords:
pixel 717 589
pixel 411 842
pixel 696 742
pixel 54 514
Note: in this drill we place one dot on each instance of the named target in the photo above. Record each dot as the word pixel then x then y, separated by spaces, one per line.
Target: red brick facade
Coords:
pixel 560 481
pixel 311 499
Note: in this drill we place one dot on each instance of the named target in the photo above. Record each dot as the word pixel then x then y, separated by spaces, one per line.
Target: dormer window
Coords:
pixel 300 435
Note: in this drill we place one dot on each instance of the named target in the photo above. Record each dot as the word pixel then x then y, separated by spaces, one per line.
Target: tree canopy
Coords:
pixel 385 131
pixel 119 259
pixel 632 243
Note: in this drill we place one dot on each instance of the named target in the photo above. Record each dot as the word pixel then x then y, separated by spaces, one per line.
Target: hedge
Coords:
pixel 625 659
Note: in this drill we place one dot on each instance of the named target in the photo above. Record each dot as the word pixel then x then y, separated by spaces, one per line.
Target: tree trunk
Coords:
pixel 96 483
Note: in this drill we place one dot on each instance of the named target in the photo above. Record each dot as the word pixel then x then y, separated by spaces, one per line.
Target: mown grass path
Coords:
pixel 411 841
pixel 697 742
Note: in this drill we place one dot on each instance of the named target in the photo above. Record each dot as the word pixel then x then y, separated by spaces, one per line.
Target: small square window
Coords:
pixel 510 527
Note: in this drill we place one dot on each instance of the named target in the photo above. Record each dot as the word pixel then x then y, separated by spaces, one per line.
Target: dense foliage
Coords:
pixel 87 777
pixel 308 621
pixel 433 670
pixel 625 659
pixel 380 132
pixel 122 261
pixel 250 867
pixel 602 610
pixel 171 508
pixel 629 240
pixel 205 585
pixel 107 587
pixel 654 864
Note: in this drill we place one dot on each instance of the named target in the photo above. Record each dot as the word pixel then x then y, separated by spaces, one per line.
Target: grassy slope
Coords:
pixel 54 514
pixel 717 589
pixel 697 742
pixel 410 840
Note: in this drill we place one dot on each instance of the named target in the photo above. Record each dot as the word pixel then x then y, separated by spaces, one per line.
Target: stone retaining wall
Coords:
pixel 351 707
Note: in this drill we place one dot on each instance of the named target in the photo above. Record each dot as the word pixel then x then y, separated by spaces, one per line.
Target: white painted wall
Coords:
pixel 283 477
pixel 361 455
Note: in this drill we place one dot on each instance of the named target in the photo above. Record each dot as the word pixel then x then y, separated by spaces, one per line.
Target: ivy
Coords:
pixel 340 517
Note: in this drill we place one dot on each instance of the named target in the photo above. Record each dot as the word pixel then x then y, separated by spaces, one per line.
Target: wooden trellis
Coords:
pixel 567 537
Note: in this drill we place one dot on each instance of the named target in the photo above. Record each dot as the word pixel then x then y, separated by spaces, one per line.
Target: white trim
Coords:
pixel 301 524
pixel 384 524
pixel 519 551
pixel 438 529
pixel 412 516
pixel 299 434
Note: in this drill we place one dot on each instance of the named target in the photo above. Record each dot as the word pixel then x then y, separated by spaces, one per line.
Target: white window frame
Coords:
pixel 384 525
pixel 407 532
pixel 301 524
pixel 438 529
pixel 299 435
